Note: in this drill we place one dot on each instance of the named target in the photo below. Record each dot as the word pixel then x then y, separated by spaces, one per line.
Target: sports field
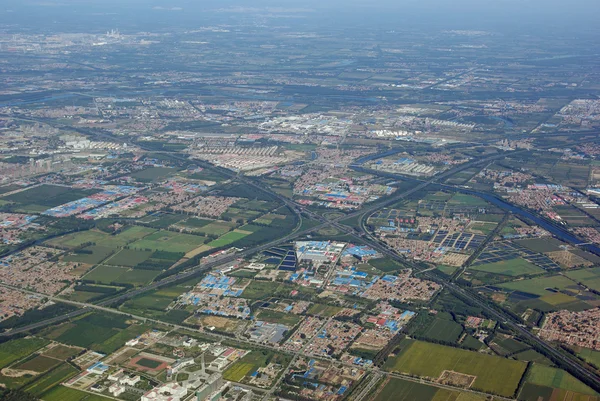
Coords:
pixel 512 267
pixel 493 374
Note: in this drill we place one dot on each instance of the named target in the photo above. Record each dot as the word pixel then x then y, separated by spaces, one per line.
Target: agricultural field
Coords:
pixel 128 257
pixel 443 330
pixel 169 241
pixel 549 293
pixel 153 174
pixel 251 362
pixel 62 393
pixel 404 390
pixel 323 310
pixel 102 333
pixel 488 373
pixel 77 239
pixel 589 356
pixel 271 316
pixel 37 363
pixel 112 274
pixel 43 197
pixel 228 238
pixel 512 267
pixel 14 350
pixel 553 378
pixel 51 379
pixel 588 277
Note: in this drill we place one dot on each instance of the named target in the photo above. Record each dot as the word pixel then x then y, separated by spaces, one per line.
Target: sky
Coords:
pixel 498 15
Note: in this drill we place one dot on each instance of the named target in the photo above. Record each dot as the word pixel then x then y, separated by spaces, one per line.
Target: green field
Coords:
pixel 404 390
pixel 468 200
pixel 444 330
pixel 271 316
pixel 169 241
pixel 589 277
pixel 99 253
pixel 46 196
pixel 112 274
pixel 128 257
pixel 493 374
pixel 323 310
pixel 538 286
pixel 590 356
pixel 51 379
pixel 251 362
pixel 77 239
pixel 153 173
pixel 227 239
pixel 102 333
pixel 149 363
pixel 61 393
pixel 512 267
pixel 38 363
pixel 14 350
pixel 62 352
pixel 556 378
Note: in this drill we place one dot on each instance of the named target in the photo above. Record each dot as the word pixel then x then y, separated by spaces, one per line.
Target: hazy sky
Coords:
pixel 499 15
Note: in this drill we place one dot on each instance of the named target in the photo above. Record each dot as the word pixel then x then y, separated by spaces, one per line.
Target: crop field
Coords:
pixel 538 286
pixel 97 255
pixel 533 356
pixel 14 350
pixel 385 264
pixel 590 356
pixel 62 352
pixel 215 228
pixel 469 200
pixel 62 393
pixel 323 310
pixel 228 238
pixel 169 241
pixel 271 316
pixel 38 363
pixel 556 378
pixel 261 289
pixel 493 374
pixel 444 330
pixel 47 196
pixel 162 220
pixel 404 390
pixel 541 244
pixel 51 379
pixel 511 267
pixel 249 364
pixel 77 239
pixel 153 173
pixel 129 257
pixel 92 330
pixel 589 277
pixel 112 274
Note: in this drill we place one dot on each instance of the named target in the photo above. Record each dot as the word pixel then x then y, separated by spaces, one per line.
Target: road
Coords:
pixel 569 362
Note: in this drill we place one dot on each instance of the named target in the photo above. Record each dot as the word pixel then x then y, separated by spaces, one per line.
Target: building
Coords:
pixel 166 392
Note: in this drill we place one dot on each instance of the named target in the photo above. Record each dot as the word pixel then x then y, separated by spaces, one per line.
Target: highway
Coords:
pixel 570 363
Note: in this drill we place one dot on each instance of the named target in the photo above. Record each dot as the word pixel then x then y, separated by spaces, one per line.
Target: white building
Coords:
pixel 166 392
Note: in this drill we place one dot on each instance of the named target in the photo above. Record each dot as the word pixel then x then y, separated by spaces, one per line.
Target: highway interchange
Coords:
pixel 360 234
